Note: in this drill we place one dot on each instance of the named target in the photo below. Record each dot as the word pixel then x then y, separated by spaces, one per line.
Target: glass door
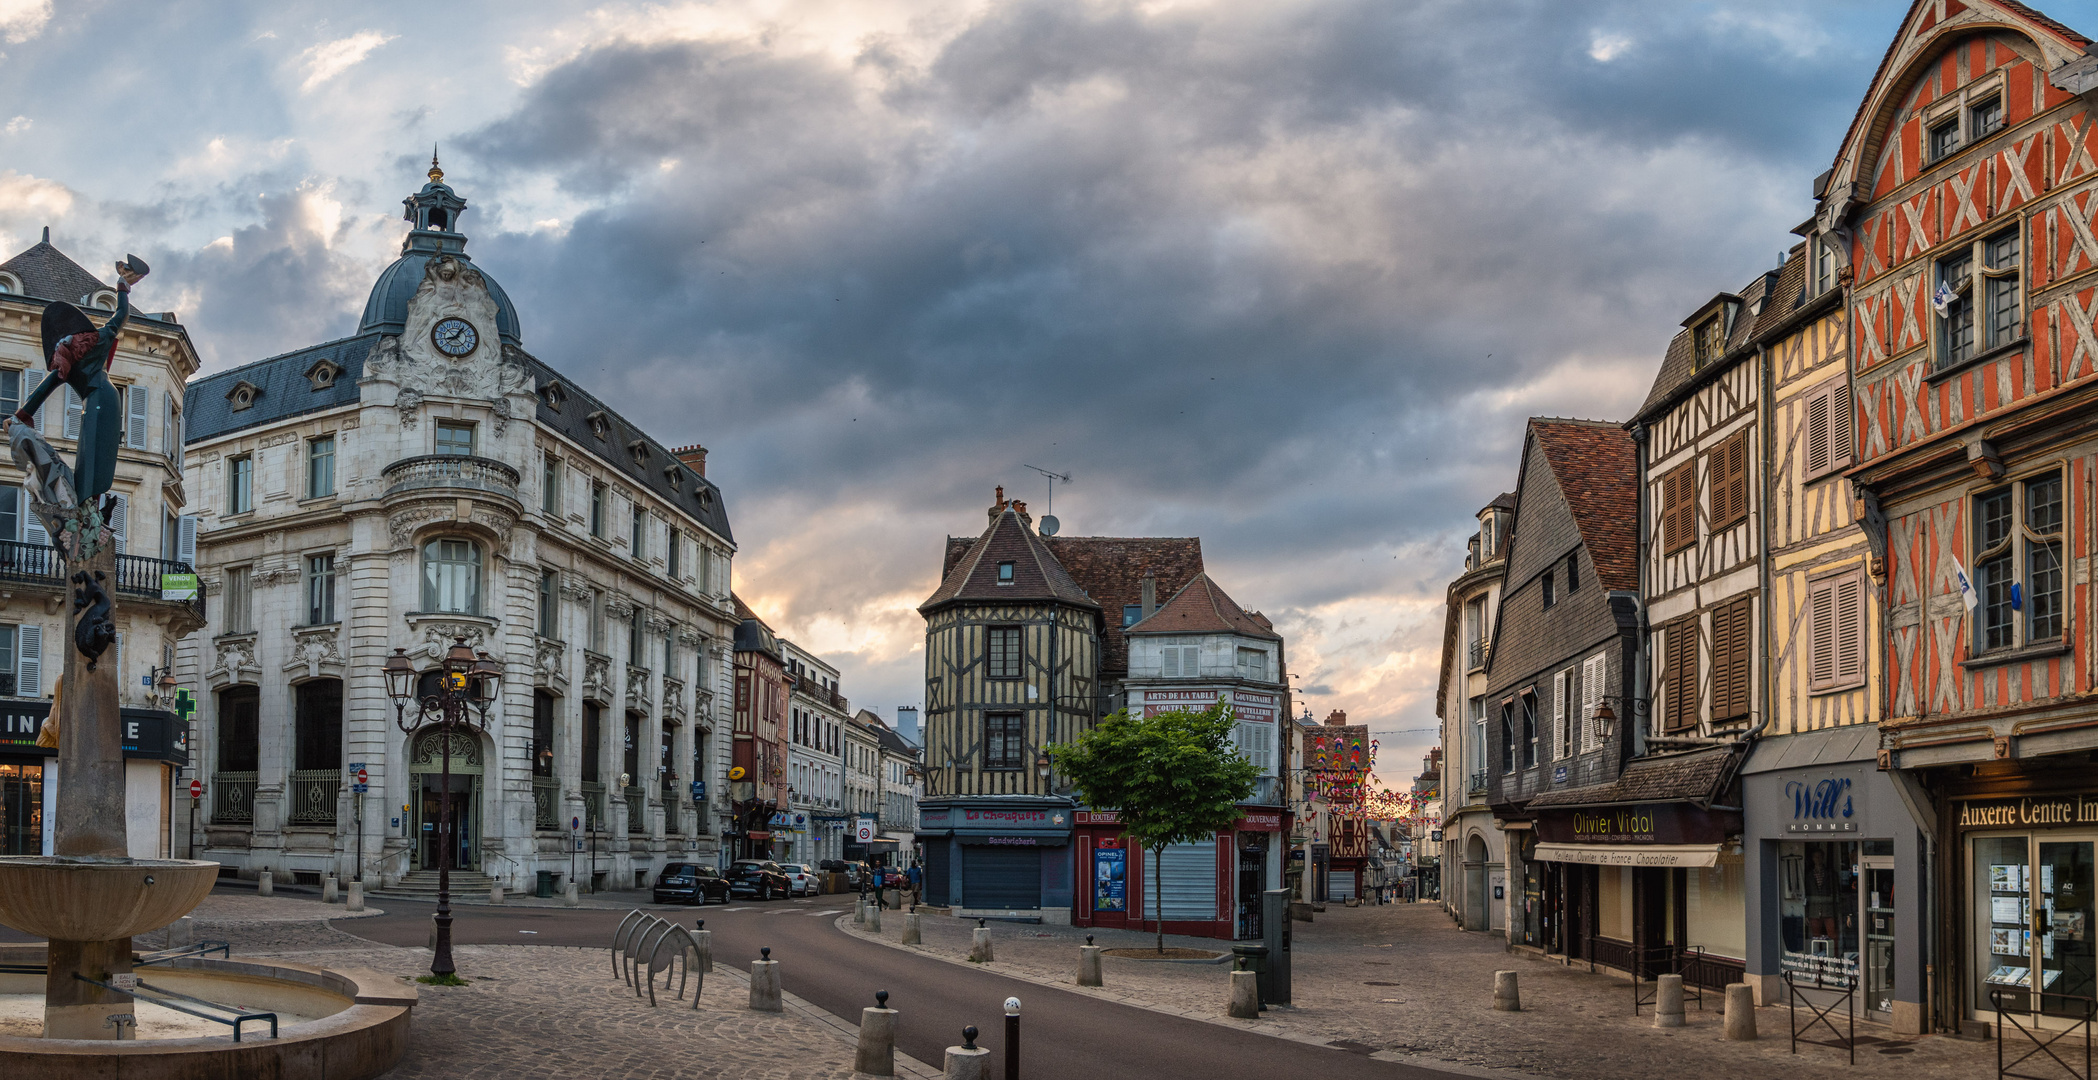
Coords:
pixel 2002 924
pixel 2033 925
pixel 2061 928
pixel 1878 898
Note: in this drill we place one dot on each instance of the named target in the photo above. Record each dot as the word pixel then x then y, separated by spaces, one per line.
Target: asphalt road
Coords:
pixel 1062 1034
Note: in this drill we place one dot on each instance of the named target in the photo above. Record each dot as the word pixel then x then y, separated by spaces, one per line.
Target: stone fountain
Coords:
pixel 90 898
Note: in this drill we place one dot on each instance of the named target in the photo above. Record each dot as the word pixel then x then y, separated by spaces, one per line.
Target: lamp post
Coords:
pixel 466 687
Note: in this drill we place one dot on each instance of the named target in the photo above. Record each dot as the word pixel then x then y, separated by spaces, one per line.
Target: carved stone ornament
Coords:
pixel 433 638
pixel 402 524
pixel 449 289
pixel 236 661
pixel 619 605
pixel 673 698
pixel 409 401
pixel 548 666
pixel 659 625
pixel 691 638
pixel 500 413
pixel 575 587
pixel 597 677
pixel 637 690
pixel 317 651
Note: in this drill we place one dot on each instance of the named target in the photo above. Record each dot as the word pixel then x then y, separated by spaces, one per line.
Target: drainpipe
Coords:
pixel 1766 386
pixel 1638 716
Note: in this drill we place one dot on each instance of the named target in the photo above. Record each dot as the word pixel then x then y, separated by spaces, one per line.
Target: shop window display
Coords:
pixel 1818 909
pixel 2033 932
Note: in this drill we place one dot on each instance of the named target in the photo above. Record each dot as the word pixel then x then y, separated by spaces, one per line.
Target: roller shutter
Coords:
pixel 1341 886
pixel 1187 876
pixel 937 867
pixel 1001 877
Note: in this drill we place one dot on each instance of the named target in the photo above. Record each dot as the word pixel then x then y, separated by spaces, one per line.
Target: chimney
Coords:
pixel 1150 595
pixel 694 456
pixel 1020 508
pixel 998 504
pixel 1337 718
pixel 907 723
pixel 47 234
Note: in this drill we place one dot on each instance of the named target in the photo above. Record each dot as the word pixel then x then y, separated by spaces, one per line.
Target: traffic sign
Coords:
pixel 866 831
pixel 196 789
pixel 575 824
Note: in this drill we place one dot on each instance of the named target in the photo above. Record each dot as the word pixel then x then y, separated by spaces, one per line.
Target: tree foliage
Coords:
pixel 1172 778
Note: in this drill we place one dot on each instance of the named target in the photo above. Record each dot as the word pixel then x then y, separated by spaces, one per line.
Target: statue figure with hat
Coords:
pixel 78 355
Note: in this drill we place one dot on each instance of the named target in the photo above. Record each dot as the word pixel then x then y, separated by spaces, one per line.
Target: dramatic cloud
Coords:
pixel 21 20
pixel 1286 275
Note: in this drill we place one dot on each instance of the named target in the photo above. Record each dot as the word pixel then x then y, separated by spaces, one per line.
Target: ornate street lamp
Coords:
pixel 466 687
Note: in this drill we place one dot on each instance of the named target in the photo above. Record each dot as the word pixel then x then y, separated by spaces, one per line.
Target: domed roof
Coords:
pixel 435 211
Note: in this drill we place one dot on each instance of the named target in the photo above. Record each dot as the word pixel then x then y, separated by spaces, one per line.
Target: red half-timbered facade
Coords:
pixel 1965 198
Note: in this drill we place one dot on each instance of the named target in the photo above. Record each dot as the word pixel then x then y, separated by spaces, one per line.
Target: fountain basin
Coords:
pixel 67 899
pixel 344 1024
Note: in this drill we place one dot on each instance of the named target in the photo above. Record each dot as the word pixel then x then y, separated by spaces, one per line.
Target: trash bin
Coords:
pixel 1254 958
pixel 546 885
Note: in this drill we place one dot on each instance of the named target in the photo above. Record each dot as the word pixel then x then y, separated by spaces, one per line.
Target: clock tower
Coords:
pixel 434 242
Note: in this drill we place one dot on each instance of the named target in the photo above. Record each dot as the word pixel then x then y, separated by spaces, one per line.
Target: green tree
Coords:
pixel 1173 778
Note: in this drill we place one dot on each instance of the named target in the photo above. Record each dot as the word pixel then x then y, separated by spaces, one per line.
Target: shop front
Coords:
pixel 1003 857
pixel 156 748
pixel 1211 888
pixel 2026 899
pixel 1835 876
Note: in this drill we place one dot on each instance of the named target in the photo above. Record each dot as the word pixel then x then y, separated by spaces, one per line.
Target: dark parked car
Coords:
pixel 690 883
pixel 762 880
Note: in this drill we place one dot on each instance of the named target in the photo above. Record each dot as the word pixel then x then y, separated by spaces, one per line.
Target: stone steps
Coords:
pixel 422 885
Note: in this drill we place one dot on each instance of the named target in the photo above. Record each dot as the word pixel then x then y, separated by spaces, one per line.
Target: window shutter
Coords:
pixel 1593 671
pixel 1723 662
pixel 119 519
pixel 1171 659
pixel 167 424
pixel 186 539
pixel 73 414
pixel 30 381
pixel 1817 450
pixel 1849 628
pixel 29 666
pixel 1558 714
pixel 33 532
pixel 120 662
pixel 1671 673
pixel 1821 634
pixel 1735 463
pixel 136 400
pixel 1841 419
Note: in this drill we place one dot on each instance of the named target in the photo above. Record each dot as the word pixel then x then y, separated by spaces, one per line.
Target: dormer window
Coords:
pixel 675 476
pixel 1710 340
pixel 10 284
pixel 1822 250
pixel 322 374
pixel 553 394
pixel 243 395
pixel 600 425
pixel 1005 573
pixel 639 449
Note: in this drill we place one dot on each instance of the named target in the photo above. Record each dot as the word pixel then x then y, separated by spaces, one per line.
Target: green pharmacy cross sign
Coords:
pixel 185 704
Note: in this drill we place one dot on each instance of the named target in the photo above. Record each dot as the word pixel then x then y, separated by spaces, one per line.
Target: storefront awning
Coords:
pixel 1630 854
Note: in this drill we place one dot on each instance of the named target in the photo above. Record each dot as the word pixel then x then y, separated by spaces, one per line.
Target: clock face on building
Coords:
pixel 454 336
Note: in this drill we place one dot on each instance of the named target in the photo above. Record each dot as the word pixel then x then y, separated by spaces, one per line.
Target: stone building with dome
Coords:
pixel 427 479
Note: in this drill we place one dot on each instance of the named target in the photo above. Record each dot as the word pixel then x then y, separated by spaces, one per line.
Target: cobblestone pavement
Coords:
pixel 1402 983
pixel 551 1012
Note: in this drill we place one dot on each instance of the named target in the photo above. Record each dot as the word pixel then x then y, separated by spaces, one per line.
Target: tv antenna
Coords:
pixel 1049 523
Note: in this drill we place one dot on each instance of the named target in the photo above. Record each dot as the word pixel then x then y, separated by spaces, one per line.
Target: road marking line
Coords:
pixel 834 911
pixel 735 909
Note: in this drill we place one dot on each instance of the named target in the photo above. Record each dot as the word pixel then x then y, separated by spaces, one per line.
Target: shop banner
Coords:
pixel 1701 855
pixel 2025 812
pixel 1646 823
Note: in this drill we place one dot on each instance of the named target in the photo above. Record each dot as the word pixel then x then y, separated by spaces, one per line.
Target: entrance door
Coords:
pixel 1252 867
pixel 21 809
pixel 432 826
pixel 2034 903
pixel 1877 896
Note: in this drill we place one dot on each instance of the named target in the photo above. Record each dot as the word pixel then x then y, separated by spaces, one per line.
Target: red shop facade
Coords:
pixel 1209 889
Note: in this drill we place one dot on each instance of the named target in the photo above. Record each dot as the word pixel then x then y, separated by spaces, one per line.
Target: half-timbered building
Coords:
pixel 1012 648
pixel 1964 195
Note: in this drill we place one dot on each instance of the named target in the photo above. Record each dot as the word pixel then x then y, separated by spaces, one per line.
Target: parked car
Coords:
pixel 690 883
pixel 801 881
pixel 759 880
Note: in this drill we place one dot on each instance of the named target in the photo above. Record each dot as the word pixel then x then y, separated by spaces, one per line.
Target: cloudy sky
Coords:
pixel 1284 275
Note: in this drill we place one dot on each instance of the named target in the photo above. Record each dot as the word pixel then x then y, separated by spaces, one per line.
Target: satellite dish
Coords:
pixel 1049 525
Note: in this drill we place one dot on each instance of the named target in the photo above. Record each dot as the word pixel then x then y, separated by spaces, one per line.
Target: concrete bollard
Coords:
pixel 764 983
pixel 980 944
pixel 328 890
pixel 1507 997
pixel 356 899
pixel 495 893
pixel 968 1061
pixel 859 914
pixel 874 920
pixel 1245 995
pixel 1089 963
pixel 1740 1012
pixel 182 933
pixel 263 885
pixel 876 1053
pixel 911 929
pixel 569 898
pixel 1668 1001
pixel 703 938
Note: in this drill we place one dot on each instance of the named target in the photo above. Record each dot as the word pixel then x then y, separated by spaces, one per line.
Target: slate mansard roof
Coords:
pixel 1596 464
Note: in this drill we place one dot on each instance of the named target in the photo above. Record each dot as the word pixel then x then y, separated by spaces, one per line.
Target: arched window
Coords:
pixel 452 576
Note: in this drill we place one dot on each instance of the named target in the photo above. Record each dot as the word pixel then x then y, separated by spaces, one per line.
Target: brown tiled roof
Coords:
pixel 1679 371
pixel 48 274
pixel 1203 608
pixel 1037 575
pixel 1597 467
pixel 1111 570
pixel 1699 776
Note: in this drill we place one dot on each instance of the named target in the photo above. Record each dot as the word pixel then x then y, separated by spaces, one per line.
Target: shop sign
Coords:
pixel 2013 813
pixel 1821 806
pixel 1259 821
pixel 1822 970
pixel 1011 841
pixel 1098 817
pixel 1647 823
pixel 1007 817
pixel 934 817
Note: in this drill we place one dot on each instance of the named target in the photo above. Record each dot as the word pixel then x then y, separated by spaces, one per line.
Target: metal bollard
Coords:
pixel 968 1061
pixel 263 884
pixel 1740 1012
pixel 1507 997
pixel 356 899
pixel 1089 963
pixel 1012 1038
pixel 703 939
pixel 764 984
pixel 1668 1001
pixel 980 944
pixel 876 1052
pixel 911 930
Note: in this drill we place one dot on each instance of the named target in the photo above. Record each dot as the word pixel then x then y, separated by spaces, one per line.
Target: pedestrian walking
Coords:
pixel 916 876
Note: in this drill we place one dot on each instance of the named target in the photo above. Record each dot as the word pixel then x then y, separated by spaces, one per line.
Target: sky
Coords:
pixel 1287 275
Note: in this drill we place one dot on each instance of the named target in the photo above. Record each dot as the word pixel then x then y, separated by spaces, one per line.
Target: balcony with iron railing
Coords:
pixel 138 577
pixel 1476 785
pixel 636 811
pixel 594 805
pixel 1479 651
pixel 437 473
pixel 233 798
pixel 546 803
pixel 313 796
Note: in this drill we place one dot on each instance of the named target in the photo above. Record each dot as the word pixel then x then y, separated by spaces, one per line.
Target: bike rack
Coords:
pixel 1847 997
pixel 2039 1045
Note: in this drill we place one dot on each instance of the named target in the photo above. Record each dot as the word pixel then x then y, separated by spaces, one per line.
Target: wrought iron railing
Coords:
pixel 1479 650
pixel 546 798
pixel 1477 784
pixel 450 471
pixel 137 575
pixel 140 576
pixel 36 563
pixel 313 796
pixel 233 798
pixel 594 805
pixel 636 811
